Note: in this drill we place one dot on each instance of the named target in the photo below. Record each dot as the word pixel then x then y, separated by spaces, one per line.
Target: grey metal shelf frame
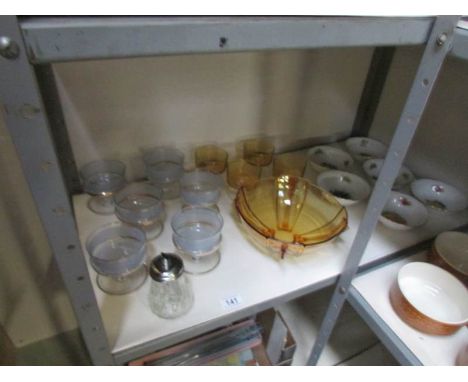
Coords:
pixel 29 45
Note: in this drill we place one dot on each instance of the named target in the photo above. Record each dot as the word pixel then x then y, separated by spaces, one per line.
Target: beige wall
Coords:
pixel 113 108
pixel 439 149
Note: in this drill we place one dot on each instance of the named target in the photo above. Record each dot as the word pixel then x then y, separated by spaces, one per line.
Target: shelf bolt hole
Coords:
pixel 45 166
pixel 425 82
pixel 28 111
pixel 70 247
pixel 80 278
pixel 222 42
pixel 59 211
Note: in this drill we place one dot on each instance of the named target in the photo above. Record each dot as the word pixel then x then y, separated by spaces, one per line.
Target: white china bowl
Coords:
pixel 346 187
pixel 372 168
pixel 439 195
pixel 435 293
pixel 324 158
pixel 401 206
pixel 363 148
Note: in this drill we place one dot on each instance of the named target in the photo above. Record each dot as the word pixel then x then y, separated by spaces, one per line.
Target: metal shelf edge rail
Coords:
pixel 438 45
pixel 28 126
pixel 55 39
pixel 394 344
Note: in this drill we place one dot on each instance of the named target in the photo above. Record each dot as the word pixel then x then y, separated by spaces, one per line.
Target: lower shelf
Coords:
pixel 369 295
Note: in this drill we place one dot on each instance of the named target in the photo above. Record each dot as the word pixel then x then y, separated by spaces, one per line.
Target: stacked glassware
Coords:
pixel 101 179
pixel 197 237
pixel 141 205
pixel 117 254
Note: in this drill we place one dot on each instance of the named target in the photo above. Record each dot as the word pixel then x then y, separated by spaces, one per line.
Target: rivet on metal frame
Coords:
pixel 342 290
pixel 8 48
pixel 441 39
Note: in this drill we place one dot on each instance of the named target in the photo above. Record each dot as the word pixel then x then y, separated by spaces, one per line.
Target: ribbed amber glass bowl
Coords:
pixel 287 215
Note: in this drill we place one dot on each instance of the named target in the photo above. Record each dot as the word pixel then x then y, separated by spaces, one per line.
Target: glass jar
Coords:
pixel 171 292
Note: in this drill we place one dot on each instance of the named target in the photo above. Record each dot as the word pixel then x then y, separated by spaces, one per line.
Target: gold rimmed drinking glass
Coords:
pixel 258 151
pixel 289 164
pixel 241 173
pixel 211 158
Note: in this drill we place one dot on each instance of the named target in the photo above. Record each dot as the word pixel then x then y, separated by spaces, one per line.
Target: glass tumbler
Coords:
pixel 171 292
pixel 258 151
pixel 101 179
pixel 292 164
pixel 141 204
pixel 201 188
pixel 211 158
pixel 117 254
pixel 197 237
pixel 241 173
pixel 164 168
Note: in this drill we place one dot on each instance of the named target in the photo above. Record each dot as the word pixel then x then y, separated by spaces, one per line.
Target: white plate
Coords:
pixel 363 148
pixel 434 292
pixel 346 187
pixel 413 212
pixel 372 168
pixel 439 195
pixel 324 158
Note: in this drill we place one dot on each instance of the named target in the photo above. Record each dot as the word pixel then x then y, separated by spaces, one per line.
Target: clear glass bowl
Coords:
pixel 197 235
pixel 141 204
pixel 287 215
pixel 201 188
pixel 164 168
pixel 101 179
pixel 116 249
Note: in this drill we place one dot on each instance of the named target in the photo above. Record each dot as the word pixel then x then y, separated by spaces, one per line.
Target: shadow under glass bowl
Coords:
pixel 348 188
pixel 288 215
pixel 429 299
pixel 141 204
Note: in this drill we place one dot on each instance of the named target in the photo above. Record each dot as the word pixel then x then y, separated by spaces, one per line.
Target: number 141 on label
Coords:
pixel 231 302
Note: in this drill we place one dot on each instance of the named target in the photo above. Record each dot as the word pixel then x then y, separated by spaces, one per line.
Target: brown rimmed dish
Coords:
pixel 450 252
pixel 429 299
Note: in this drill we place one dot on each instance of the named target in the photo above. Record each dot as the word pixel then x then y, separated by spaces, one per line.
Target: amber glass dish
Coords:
pixel 287 215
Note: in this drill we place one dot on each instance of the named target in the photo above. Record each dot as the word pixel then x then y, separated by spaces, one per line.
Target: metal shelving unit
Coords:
pixel 29 46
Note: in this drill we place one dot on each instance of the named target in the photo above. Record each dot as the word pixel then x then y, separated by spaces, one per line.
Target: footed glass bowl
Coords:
pixel 287 215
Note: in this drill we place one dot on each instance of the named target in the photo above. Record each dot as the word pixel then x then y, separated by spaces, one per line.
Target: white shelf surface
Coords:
pixel 374 287
pixel 243 271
